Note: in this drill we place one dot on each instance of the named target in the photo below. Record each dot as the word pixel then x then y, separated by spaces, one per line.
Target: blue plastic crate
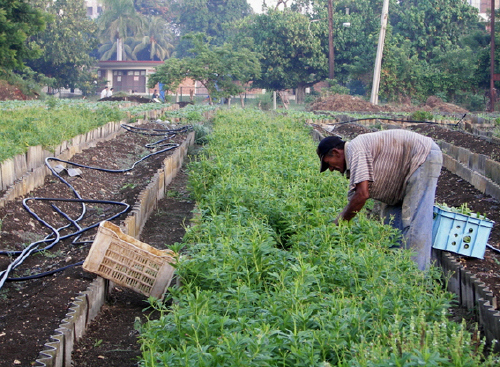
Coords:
pixel 459 233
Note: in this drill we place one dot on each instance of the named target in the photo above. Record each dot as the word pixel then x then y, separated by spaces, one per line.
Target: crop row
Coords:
pixel 267 280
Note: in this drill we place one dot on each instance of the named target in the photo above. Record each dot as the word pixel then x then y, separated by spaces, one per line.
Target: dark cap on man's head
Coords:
pixel 325 145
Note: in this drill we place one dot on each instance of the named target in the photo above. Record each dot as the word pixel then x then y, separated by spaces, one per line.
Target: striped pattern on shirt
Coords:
pixel 386 159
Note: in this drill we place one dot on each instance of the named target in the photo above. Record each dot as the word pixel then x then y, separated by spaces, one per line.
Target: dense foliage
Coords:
pixel 267 280
pixel 66 43
pixel 18 21
pixel 291 49
pixel 222 70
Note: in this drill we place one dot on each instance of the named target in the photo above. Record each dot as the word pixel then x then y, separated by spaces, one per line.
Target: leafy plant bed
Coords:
pixel 269 280
pixel 30 311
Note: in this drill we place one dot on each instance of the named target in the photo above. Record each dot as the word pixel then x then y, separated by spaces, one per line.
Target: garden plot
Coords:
pixel 31 310
pixel 269 280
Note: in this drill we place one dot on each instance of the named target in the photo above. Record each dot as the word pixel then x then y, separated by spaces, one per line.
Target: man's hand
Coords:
pixel 356 203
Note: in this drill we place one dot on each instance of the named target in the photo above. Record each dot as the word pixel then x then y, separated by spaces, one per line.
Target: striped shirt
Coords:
pixel 386 159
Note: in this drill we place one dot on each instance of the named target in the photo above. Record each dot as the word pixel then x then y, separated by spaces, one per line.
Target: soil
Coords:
pixel 31 310
pixel 347 103
pixel 9 92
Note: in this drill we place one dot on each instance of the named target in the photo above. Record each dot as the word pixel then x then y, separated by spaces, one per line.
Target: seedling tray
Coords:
pixel 129 262
pixel 462 234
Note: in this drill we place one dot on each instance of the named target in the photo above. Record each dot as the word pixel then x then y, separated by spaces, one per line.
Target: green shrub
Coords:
pixel 421 116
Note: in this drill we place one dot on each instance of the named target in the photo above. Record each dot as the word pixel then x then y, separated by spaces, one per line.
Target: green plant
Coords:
pixel 202 132
pixel 129 185
pixel 463 209
pixel 173 194
pixel 52 102
pixel 421 116
pixel 267 280
pixel 97 343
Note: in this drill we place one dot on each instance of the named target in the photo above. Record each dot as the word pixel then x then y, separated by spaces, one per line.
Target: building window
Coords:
pixel 89 11
pixel 143 72
pixel 137 73
pixel 115 72
pixel 99 10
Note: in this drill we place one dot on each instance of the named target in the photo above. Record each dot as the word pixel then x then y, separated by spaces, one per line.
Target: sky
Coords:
pixel 257 4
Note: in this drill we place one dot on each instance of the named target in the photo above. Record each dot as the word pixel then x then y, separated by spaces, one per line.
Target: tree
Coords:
pixel 432 25
pixel 170 74
pixel 293 55
pixel 207 16
pixel 66 43
pixel 157 40
pixel 152 7
pixel 18 21
pixel 431 50
pixel 109 49
pixel 221 69
pixel 119 21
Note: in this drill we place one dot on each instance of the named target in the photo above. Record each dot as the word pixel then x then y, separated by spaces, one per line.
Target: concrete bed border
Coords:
pixel 88 303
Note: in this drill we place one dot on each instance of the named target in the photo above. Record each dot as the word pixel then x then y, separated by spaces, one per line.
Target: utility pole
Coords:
pixel 380 51
pixel 331 54
pixel 493 94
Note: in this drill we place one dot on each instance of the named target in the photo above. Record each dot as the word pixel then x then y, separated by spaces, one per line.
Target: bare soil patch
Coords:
pixel 347 103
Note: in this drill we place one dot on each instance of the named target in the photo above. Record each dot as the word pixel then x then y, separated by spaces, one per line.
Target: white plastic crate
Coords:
pixel 129 262
pixel 459 233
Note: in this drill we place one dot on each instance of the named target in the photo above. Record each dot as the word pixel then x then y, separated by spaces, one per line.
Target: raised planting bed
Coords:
pixel 268 280
pixel 32 310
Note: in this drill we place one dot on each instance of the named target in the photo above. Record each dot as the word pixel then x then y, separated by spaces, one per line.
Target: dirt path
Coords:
pixel 111 339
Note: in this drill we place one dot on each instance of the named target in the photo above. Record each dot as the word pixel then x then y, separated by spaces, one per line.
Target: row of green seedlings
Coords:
pixel 267 280
pixel 49 123
pixel 21 128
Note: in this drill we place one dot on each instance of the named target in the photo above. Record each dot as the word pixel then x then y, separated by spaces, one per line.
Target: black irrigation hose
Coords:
pixel 41 275
pixel 390 119
pixel 56 236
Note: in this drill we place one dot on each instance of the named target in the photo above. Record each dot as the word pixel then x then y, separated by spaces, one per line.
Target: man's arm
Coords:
pixel 358 200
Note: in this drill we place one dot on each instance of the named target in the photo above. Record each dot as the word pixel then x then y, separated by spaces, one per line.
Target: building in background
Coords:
pixel 94 8
pixel 484 7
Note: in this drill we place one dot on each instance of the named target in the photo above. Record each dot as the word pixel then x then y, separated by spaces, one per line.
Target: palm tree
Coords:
pixel 157 38
pixel 108 49
pixel 119 21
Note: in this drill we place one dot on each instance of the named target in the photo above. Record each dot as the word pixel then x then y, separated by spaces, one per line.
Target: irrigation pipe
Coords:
pixel 390 119
pixel 56 236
